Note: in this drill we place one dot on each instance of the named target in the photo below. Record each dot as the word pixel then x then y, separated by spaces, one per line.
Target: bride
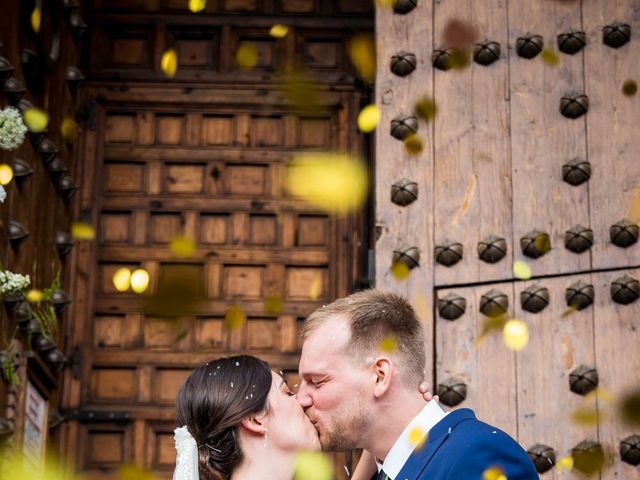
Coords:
pixel 241 421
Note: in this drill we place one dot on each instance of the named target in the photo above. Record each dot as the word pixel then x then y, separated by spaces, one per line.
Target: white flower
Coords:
pixel 12 129
pixel 3 194
pixel 12 283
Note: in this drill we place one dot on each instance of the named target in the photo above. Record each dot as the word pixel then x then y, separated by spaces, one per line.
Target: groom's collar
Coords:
pixel 428 418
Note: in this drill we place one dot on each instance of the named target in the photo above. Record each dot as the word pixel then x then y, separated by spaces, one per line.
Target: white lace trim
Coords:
pixel 186 455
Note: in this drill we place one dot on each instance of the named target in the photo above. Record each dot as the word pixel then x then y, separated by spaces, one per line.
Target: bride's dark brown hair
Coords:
pixel 213 401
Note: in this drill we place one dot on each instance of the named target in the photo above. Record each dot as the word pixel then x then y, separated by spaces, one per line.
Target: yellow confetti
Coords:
pixel 279 31
pixel 389 345
pixel 400 270
pixel 630 88
pixel 6 174
pixel 570 309
pixel 315 289
pixel 122 279
pixel 36 120
pixel 363 56
pixel 426 109
pixel 234 318
pixel 69 130
pixel 182 246
pixel 421 306
pixel 491 324
pixel 542 243
pixel 550 57
pixel 36 19
pixel 634 208
pixel 494 473
pixel 386 3
pixel 334 182
pixel 82 231
pixel 273 305
pixel 369 118
pixel 133 472
pixel 169 63
pixel 458 59
pixel 312 466
pixel 197 5
pixel 139 280
pixel 565 463
pixel 35 296
pixel 301 90
pixel 413 144
pixel 416 437
pixel 601 394
pixel 521 270
pixel 515 335
pixel 586 416
pixel 246 55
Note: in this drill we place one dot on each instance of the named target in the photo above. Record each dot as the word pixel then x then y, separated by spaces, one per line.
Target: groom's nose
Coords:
pixel 303 398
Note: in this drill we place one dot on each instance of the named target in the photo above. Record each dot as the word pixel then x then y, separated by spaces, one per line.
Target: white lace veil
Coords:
pixel 186 455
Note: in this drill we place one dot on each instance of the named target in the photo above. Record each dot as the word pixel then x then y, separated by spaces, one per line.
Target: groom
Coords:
pixel 359 396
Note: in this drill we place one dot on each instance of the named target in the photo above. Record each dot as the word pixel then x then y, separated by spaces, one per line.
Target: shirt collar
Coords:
pixel 402 449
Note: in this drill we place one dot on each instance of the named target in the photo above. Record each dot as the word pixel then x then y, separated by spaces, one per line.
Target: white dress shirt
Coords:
pixel 402 449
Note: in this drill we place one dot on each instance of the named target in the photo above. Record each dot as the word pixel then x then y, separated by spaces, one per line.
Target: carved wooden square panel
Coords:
pixel 167 382
pixel 314 132
pixel 324 54
pixel 105 448
pixel 123 177
pixel 164 452
pixel 115 227
pixel 184 178
pixel 262 333
pixel 213 228
pixel 266 131
pixel 263 230
pixel 113 384
pixel 210 333
pixel 165 227
pixel 161 332
pixel 296 6
pixel 217 129
pixel 243 281
pixel 266 47
pixel 305 283
pixel 120 128
pixel 169 129
pixel 194 52
pixel 240 5
pixel 105 277
pixel 108 331
pixel 130 51
pixel 246 179
pixel 355 6
pixel 312 231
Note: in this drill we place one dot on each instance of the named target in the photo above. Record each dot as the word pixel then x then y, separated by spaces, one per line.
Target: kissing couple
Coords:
pixel 241 421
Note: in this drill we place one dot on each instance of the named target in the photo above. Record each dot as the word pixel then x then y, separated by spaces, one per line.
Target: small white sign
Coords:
pixel 35 428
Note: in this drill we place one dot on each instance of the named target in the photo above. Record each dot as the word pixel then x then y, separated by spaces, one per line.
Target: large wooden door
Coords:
pixel 205 161
pixel 503 170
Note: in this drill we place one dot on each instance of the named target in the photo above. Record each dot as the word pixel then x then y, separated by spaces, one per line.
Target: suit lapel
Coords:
pixel 420 458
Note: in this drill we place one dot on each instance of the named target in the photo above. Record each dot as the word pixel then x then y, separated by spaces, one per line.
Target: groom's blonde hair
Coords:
pixel 375 316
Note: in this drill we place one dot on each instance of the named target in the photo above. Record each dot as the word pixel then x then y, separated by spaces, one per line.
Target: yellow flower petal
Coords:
pixel 169 63
pixel 413 144
pixel 333 182
pixel 6 174
pixel 182 246
pixel 197 5
pixel 36 19
pixel 565 463
pixel 36 120
pixel 139 280
pixel 279 31
pixel 416 437
pixel 35 296
pixel 363 55
pixel 400 270
pixel 521 270
pixel 122 279
pixel 368 118
pixel 246 55
pixel 273 305
pixel 315 289
pixel 494 473
pixel 426 109
pixel 550 57
pixel 515 335
pixel 69 130
pixel 234 318
pixel 82 231
pixel 312 466
pixel 388 345
pixel 630 88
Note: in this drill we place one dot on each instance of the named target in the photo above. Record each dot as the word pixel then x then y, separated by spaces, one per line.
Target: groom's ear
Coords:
pixel 255 424
pixel 383 368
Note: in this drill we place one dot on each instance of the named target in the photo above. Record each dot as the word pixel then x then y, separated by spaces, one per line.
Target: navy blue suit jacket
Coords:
pixel 460 447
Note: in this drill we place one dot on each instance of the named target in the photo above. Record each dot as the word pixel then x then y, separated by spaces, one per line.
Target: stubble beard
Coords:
pixel 346 432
